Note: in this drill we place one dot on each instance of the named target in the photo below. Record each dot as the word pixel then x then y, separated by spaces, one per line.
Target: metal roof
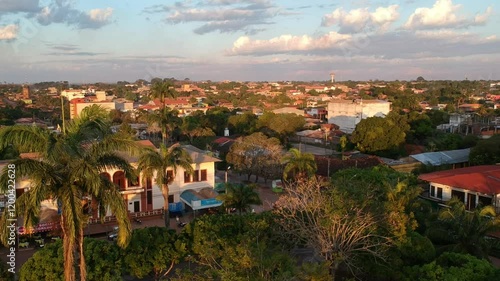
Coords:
pixel 443 157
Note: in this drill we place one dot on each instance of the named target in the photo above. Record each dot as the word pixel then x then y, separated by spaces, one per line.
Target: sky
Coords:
pixel 91 41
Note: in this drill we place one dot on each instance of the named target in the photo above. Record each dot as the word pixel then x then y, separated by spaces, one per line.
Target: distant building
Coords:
pixel 289 109
pixel 26 92
pixel 77 105
pixel 73 94
pixel 348 113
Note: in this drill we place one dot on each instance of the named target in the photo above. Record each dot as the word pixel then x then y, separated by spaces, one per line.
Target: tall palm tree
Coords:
pixel 162 90
pixel 155 163
pixel 67 169
pixel 167 120
pixel 466 231
pixel 240 197
pixel 300 165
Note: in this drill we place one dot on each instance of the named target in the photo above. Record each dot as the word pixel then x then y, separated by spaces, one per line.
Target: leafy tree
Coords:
pixel 192 128
pixel 153 250
pixel 453 266
pixel 301 165
pixel 247 247
pixel 243 123
pixel 68 169
pixel 382 192
pixel 103 260
pixel 156 162
pixel 486 152
pixel 5 274
pixel 377 134
pixel 463 231
pixel 240 197
pixel 254 154
pixel 281 126
pixel 45 264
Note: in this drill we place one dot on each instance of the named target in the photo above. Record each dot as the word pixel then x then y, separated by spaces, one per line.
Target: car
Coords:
pixel 113 235
pixel 277 186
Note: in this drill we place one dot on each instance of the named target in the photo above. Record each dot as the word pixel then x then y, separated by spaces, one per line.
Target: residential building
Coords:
pixel 348 113
pixel 77 105
pixel 143 196
pixel 73 94
pixel 472 185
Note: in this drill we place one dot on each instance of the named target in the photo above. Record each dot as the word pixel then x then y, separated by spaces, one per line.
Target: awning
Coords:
pixel 201 199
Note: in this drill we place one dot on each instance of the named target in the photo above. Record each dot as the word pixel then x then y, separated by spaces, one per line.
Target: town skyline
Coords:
pixel 247 40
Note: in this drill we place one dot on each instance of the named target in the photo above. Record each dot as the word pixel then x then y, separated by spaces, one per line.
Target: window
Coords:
pixel 196 176
pixel 149 184
pixel 170 175
pixel 440 193
pixel 149 197
pixel 203 176
pixel 433 191
pixel 187 177
pixel 134 182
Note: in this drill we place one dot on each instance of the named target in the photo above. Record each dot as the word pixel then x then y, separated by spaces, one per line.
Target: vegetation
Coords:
pixel 68 168
pixel 300 165
pixel 240 197
pixel 153 163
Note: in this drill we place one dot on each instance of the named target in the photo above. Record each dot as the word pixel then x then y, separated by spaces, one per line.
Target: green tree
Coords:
pixel 453 266
pixel 246 247
pixel 240 197
pixel 300 165
pixel 463 231
pixel 378 134
pixel 153 250
pixel 155 163
pixel 281 126
pixel 166 121
pixel 486 152
pixel 243 123
pixel 68 169
pixel 162 90
pixel 103 260
pixel 192 128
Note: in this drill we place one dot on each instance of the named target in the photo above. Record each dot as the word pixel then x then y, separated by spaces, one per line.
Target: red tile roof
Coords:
pixel 147 143
pixel 484 179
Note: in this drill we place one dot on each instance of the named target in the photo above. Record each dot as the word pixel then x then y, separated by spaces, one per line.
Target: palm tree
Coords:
pixel 466 230
pixel 301 165
pixel 157 162
pixel 67 169
pixel 162 90
pixel 240 197
pixel 167 120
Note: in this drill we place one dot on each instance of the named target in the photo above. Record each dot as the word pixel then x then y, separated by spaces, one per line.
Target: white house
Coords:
pixel 348 113
pixel 472 185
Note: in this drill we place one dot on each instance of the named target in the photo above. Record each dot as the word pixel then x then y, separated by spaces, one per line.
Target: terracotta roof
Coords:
pixel 147 143
pixel 30 155
pixel 484 179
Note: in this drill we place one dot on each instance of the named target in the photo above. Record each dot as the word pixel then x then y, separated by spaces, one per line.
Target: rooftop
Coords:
pixel 484 179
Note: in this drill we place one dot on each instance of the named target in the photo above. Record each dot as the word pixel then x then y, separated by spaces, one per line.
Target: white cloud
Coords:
pixel 62 11
pixel 220 15
pixel 101 15
pixel 444 14
pixel 9 32
pixel 287 43
pixel 358 20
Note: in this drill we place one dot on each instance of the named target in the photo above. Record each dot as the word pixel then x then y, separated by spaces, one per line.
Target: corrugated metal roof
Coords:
pixel 443 157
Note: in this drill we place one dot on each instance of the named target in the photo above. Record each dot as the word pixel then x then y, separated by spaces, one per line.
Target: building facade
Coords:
pixel 348 113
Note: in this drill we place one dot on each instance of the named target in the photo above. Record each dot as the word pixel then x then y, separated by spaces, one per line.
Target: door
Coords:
pixel 137 206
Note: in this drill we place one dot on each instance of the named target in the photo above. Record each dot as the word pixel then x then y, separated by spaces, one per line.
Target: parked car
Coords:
pixel 277 186
pixel 113 235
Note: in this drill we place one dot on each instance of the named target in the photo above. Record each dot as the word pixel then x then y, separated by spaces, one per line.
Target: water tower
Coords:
pixel 332 76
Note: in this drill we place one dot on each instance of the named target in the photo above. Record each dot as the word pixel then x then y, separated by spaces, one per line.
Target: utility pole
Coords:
pixel 62 113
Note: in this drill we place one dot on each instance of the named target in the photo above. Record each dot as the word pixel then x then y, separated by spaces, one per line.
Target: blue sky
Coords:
pixel 248 40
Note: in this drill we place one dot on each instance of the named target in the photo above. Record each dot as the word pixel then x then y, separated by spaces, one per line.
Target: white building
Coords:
pixel 73 94
pixel 348 113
